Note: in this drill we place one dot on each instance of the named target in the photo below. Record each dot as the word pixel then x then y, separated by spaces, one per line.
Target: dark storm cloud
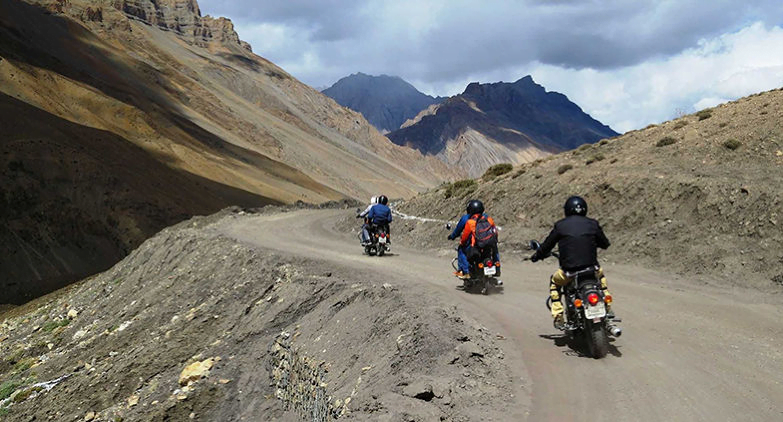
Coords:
pixel 476 36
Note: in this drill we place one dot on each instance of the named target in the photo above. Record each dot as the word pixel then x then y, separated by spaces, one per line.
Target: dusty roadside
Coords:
pixel 265 336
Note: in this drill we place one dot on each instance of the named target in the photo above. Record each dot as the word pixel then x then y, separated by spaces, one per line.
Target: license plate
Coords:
pixel 597 311
pixel 489 271
pixel 382 240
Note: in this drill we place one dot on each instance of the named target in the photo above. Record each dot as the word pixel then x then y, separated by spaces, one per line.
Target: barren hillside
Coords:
pixel 122 117
pixel 700 194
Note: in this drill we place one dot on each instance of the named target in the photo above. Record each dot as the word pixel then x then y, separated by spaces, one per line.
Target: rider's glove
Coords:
pixel 450 237
pixel 534 258
pixel 358 216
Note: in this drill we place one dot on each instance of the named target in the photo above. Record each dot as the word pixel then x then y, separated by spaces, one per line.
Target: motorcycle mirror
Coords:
pixel 448 226
pixel 534 245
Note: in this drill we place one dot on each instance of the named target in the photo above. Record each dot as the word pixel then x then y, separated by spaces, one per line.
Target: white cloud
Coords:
pixel 626 62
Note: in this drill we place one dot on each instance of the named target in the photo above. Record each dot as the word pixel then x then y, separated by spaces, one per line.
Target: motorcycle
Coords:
pixel 484 273
pixel 584 304
pixel 379 239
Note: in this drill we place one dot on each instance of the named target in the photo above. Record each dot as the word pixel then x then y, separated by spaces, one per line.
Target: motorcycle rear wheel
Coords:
pixel 596 338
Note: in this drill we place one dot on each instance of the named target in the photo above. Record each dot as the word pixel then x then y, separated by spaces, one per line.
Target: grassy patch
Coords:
pixel 732 144
pixel 519 173
pixel 497 170
pixel 7 388
pixel 24 364
pixel 23 395
pixel 593 159
pixel 603 142
pixel 665 141
pixel 460 187
pixel 51 325
pixel 4 411
pixel 564 168
pixel 680 124
pixel 704 114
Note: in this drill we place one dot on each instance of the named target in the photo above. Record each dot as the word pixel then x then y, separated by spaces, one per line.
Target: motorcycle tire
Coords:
pixel 597 341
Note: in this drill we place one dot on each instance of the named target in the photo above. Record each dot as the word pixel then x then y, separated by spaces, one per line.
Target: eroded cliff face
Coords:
pixel 182 17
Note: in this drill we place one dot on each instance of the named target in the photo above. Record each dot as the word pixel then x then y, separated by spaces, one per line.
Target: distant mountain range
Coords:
pixel 385 101
pixel 500 122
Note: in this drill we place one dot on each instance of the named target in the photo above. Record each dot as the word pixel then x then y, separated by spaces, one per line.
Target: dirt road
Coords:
pixel 689 352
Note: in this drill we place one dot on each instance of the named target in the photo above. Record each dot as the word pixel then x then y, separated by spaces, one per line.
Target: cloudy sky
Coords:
pixel 628 63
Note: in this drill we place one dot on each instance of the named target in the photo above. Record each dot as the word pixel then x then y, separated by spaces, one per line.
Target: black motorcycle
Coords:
pixel 584 304
pixel 484 272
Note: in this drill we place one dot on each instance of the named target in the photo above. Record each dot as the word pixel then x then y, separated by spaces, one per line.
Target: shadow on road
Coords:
pixel 577 346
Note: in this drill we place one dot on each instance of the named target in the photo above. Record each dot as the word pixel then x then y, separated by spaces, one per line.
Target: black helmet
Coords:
pixel 575 205
pixel 475 207
pixel 383 200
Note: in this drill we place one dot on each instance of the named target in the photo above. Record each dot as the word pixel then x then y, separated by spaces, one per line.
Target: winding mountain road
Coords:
pixel 690 352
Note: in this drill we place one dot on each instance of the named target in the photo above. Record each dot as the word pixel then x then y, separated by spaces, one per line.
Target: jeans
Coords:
pixel 462 258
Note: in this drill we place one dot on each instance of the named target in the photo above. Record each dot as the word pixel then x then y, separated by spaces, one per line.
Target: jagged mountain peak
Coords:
pixel 517 122
pixel 385 101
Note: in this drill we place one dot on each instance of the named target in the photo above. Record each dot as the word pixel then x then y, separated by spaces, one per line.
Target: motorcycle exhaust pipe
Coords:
pixel 615 330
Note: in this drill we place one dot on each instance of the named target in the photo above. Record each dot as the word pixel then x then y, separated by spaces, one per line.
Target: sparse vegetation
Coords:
pixel 51 325
pixel 593 159
pixel 704 114
pixel 519 173
pixel 7 388
pixel 497 170
pixel 564 168
pixel 603 142
pixel 732 144
pixel 680 124
pixel 460 187
pixel 650 126
pixel 665 141
pixel 723 124
pixel 23 395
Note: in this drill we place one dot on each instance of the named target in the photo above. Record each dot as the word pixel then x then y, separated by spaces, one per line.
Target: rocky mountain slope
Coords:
pixel 194 325
pixel 700 194
pixel 500 122
pixel 385 101
pixel 123 117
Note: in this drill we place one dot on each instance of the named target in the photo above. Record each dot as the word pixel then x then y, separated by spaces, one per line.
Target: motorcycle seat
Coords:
pixel 587 270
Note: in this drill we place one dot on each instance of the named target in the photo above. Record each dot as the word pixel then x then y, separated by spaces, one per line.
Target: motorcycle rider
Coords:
pixel 365 234
pixel 473 208
pixel 578 238
pixel 380 215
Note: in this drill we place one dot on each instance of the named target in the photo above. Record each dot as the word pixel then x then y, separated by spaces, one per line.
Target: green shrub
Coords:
pixel 704 114
pixel 665 141
pixel 564 168
pixel 51 325
pixel 732 144
pixel 23 395
pixel 460 187
pixel 593 159
pixel 680 124
pixel 7 388
pixel 497 170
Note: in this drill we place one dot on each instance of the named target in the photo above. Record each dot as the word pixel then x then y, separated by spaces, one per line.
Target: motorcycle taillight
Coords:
pixel 489 263
pixel 592 298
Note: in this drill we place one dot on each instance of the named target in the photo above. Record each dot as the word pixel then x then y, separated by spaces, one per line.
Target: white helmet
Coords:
pixel 374 200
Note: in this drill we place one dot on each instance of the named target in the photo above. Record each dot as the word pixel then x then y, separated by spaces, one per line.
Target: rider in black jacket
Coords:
pixel 578 238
